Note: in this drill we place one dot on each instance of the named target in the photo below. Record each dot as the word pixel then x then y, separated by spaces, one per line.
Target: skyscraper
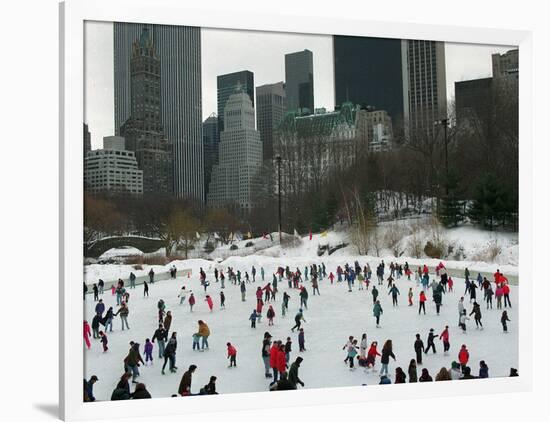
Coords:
pixel 143 129
pixel 370 72
pixel 506 65
pixel 211 139
pixel 227 84
pixel 179 51
pixel 427 89
pixel 299 81
pixel 87 140
pixel 270 109
pixel 234 178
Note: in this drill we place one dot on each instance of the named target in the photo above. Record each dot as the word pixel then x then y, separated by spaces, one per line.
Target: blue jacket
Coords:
pixel 100 308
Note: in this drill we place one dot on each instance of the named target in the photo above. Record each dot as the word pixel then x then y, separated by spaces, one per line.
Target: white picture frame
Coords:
pixel 73 14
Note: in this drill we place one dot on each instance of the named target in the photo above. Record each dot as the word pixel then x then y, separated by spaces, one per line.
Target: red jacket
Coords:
pixel 209 301
pixel 231 351
pixel 259 306
pixel 463 356
pixel 445 335
pixel 372 353
pixel 259 294
pixel 191 300
pixel 281 361
pixel 506 289
pixel 422 297
pixel 425 270
pixel 273 353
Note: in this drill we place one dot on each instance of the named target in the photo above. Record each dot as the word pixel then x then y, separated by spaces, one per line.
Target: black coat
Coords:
pixel 160 334
pixel 141 394
pixel 418 346
pixel 386 356
pixel 120 394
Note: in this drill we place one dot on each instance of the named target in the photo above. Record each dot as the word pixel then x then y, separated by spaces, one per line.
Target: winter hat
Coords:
pixel 454 365
pixel 431 329
pixel 94 378
pixel 299 359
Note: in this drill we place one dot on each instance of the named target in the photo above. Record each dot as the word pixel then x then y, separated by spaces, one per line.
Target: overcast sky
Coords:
pixel 226 51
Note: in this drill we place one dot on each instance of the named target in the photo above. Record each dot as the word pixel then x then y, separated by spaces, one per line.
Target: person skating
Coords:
pixel 499 294
pixel 273 355
pixel 363 346
pixel 151 276
pixel 410 297
pixel 148 350
pixel 293 376
pixel 377 311
pixel 298 320
pixel 348 344
pixel 96 321
pixel 288 349
pixel 489 297
pixel 352 353
pixel 231 355
pixel 191 301
pixel 400 376
pixel 473 288
pixel 463 320
pixel 430 342
pixel 302 340
pixel 266 346
pixel 253 317
pixel 100 308
pixel 394 291
pixel 209 302
pixel 374 293
pixel 222 300
pixel 444 336
pixel 413 376
pixel 161 335
pixel 96 292
pixel 196 341
pixel 259 307
pixel 133 360
pixel 463 357
pixel 371 355
pixel 425 376
pixel 145 289
pixel 438 297
pixel 387 352
pixel 103 340
pixel 132 280
pixel 461 309
pixel 168 321
pixel 243 291
pixel 170 354
pixel 204 332
pixel 87 334
pixel 315 286
pixel 506 292
pixel 182 295
pixel 184 388
pixel 476 311
pixel 303 297
pixel 270 315
pixel 123 311
pixel 503 320
pixel 268 290
pixel 286 298
pixel 418 349
pixel 422 302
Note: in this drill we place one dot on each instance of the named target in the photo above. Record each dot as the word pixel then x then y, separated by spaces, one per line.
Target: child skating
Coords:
pixel 231 355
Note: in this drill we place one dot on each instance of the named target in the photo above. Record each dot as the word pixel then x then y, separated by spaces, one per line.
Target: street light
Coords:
pixel 445 123
pixel 278 159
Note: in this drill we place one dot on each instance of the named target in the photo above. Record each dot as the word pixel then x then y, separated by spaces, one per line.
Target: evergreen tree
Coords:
pixel 450 211
pixel 491 203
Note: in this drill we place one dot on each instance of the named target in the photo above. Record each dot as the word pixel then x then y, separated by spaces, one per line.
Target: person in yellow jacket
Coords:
pixel 204 332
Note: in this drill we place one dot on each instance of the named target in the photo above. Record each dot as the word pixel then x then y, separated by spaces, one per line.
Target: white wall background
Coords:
pixel 29 228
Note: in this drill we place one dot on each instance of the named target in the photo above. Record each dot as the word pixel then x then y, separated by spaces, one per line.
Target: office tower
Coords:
pixel 112 169
pixel 234 178
pixel 472 100
pixel 371 72
pixel 87 140
pixel 427 92
pixel 270 109
pixel 178 49
pixel 506 65
pixel 227 84
pixel 211 141
pixel 143 130
pixel 299 81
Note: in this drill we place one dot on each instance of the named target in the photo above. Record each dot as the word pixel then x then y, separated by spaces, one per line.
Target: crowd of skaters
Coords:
pixel 282 373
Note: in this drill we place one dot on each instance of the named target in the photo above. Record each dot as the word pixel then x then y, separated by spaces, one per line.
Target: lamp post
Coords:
pixel 278 159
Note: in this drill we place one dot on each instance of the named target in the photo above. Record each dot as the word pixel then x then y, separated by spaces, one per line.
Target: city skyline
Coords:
pixel 264 56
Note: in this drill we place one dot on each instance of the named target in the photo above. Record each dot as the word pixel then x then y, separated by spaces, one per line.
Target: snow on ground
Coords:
pixel 331 318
